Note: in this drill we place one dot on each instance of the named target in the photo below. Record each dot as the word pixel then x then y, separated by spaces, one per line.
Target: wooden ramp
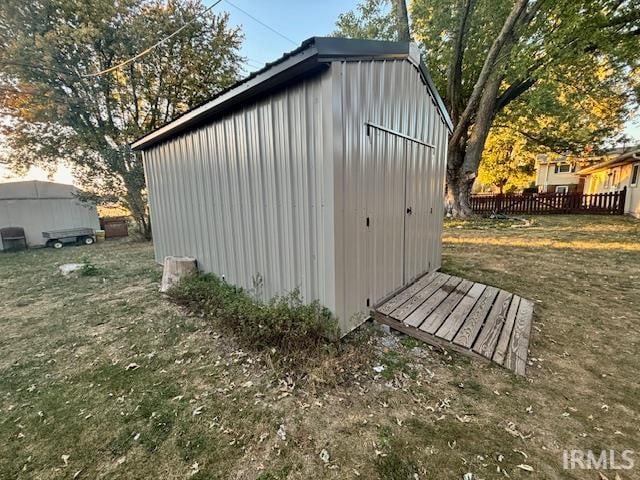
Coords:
pixel 477 320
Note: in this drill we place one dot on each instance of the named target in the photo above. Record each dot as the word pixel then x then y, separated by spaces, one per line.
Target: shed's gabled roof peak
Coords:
pixel 312 55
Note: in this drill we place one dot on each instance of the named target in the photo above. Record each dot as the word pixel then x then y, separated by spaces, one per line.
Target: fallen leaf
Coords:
pixel 525 467
pixel 521 453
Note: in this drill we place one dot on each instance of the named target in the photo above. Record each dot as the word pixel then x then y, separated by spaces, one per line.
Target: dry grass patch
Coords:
pixel 103 369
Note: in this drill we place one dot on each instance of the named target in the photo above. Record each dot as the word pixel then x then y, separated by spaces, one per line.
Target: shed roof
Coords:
pixel 311 56
pixel 35 190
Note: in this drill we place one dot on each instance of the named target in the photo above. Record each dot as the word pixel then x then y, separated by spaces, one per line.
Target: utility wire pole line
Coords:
pixel 262 23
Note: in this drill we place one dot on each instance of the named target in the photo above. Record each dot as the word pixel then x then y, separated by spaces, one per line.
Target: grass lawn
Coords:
pixel 100 377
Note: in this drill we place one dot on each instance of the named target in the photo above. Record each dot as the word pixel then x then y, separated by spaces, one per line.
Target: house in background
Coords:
pixel 563 173
pixel 560 174
pixel 615 174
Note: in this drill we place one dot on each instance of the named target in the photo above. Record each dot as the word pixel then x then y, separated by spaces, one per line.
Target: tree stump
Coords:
pixel 175 269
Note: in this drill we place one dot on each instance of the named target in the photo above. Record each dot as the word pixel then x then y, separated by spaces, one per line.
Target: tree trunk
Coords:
pixel 472 124
pixel 464 158
pixel 138 206
pixel 459 197
pixel 458 186
pixel 402 20
pixel 135 185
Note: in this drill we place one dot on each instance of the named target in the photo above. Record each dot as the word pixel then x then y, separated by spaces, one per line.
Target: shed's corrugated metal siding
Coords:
pixel 369 179
pixel 283 188
pixel 249 194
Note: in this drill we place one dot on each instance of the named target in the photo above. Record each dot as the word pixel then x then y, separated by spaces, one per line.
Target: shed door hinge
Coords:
pixel 368 303
pixel 368 222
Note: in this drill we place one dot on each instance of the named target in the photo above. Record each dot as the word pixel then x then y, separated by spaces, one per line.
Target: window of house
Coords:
pixel 635 174
pixel 565 168
pixel 562 189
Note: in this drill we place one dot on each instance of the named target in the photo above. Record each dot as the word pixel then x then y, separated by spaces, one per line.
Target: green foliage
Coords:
pixel 284 323
pixel 89 269
pixel 508 161
pixel 434 25
pixel 58 113
pixel 579 57
pixel 371 19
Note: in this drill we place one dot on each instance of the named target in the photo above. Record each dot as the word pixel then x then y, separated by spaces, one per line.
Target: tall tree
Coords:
pixel 486 55
pixel 60 110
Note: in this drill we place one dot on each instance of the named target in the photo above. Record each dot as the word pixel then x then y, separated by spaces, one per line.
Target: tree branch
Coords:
pixel 454 84
pixel 487 68
pixel 512 92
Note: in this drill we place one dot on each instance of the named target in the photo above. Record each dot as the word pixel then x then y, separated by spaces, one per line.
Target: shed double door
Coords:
pixel 399 210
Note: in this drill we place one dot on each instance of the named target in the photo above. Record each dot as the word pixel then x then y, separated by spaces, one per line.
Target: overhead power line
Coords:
pixel 262 23
pixel 152 47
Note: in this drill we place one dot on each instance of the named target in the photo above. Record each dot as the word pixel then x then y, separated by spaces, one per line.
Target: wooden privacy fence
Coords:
pixel 611 203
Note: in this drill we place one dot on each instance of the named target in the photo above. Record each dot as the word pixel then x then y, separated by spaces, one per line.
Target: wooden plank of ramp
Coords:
pixel 516 358
pixel 418 316
pixel 490 333
pixel 440 314
pixel 505 335
pixel 474 321
pixel 407 293
pixel 414 302
pixel 480 321
pixel 452 324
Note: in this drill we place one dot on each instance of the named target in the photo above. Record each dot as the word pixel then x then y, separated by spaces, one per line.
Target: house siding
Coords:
pixel 597 183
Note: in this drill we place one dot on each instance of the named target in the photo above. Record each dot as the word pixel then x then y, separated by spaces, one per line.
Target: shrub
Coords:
pixel 284 323
pixel 88 269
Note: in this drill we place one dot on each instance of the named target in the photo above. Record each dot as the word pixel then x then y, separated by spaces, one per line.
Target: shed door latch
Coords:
pixel 368 222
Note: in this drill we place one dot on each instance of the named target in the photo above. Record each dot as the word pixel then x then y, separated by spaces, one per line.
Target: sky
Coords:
pixel 294 21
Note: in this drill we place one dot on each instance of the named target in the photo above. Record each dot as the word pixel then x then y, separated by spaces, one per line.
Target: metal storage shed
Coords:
pixel 323 171
pixel 40 206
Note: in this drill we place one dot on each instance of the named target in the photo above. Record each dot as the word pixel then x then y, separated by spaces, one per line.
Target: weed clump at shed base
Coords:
pixel 284 325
